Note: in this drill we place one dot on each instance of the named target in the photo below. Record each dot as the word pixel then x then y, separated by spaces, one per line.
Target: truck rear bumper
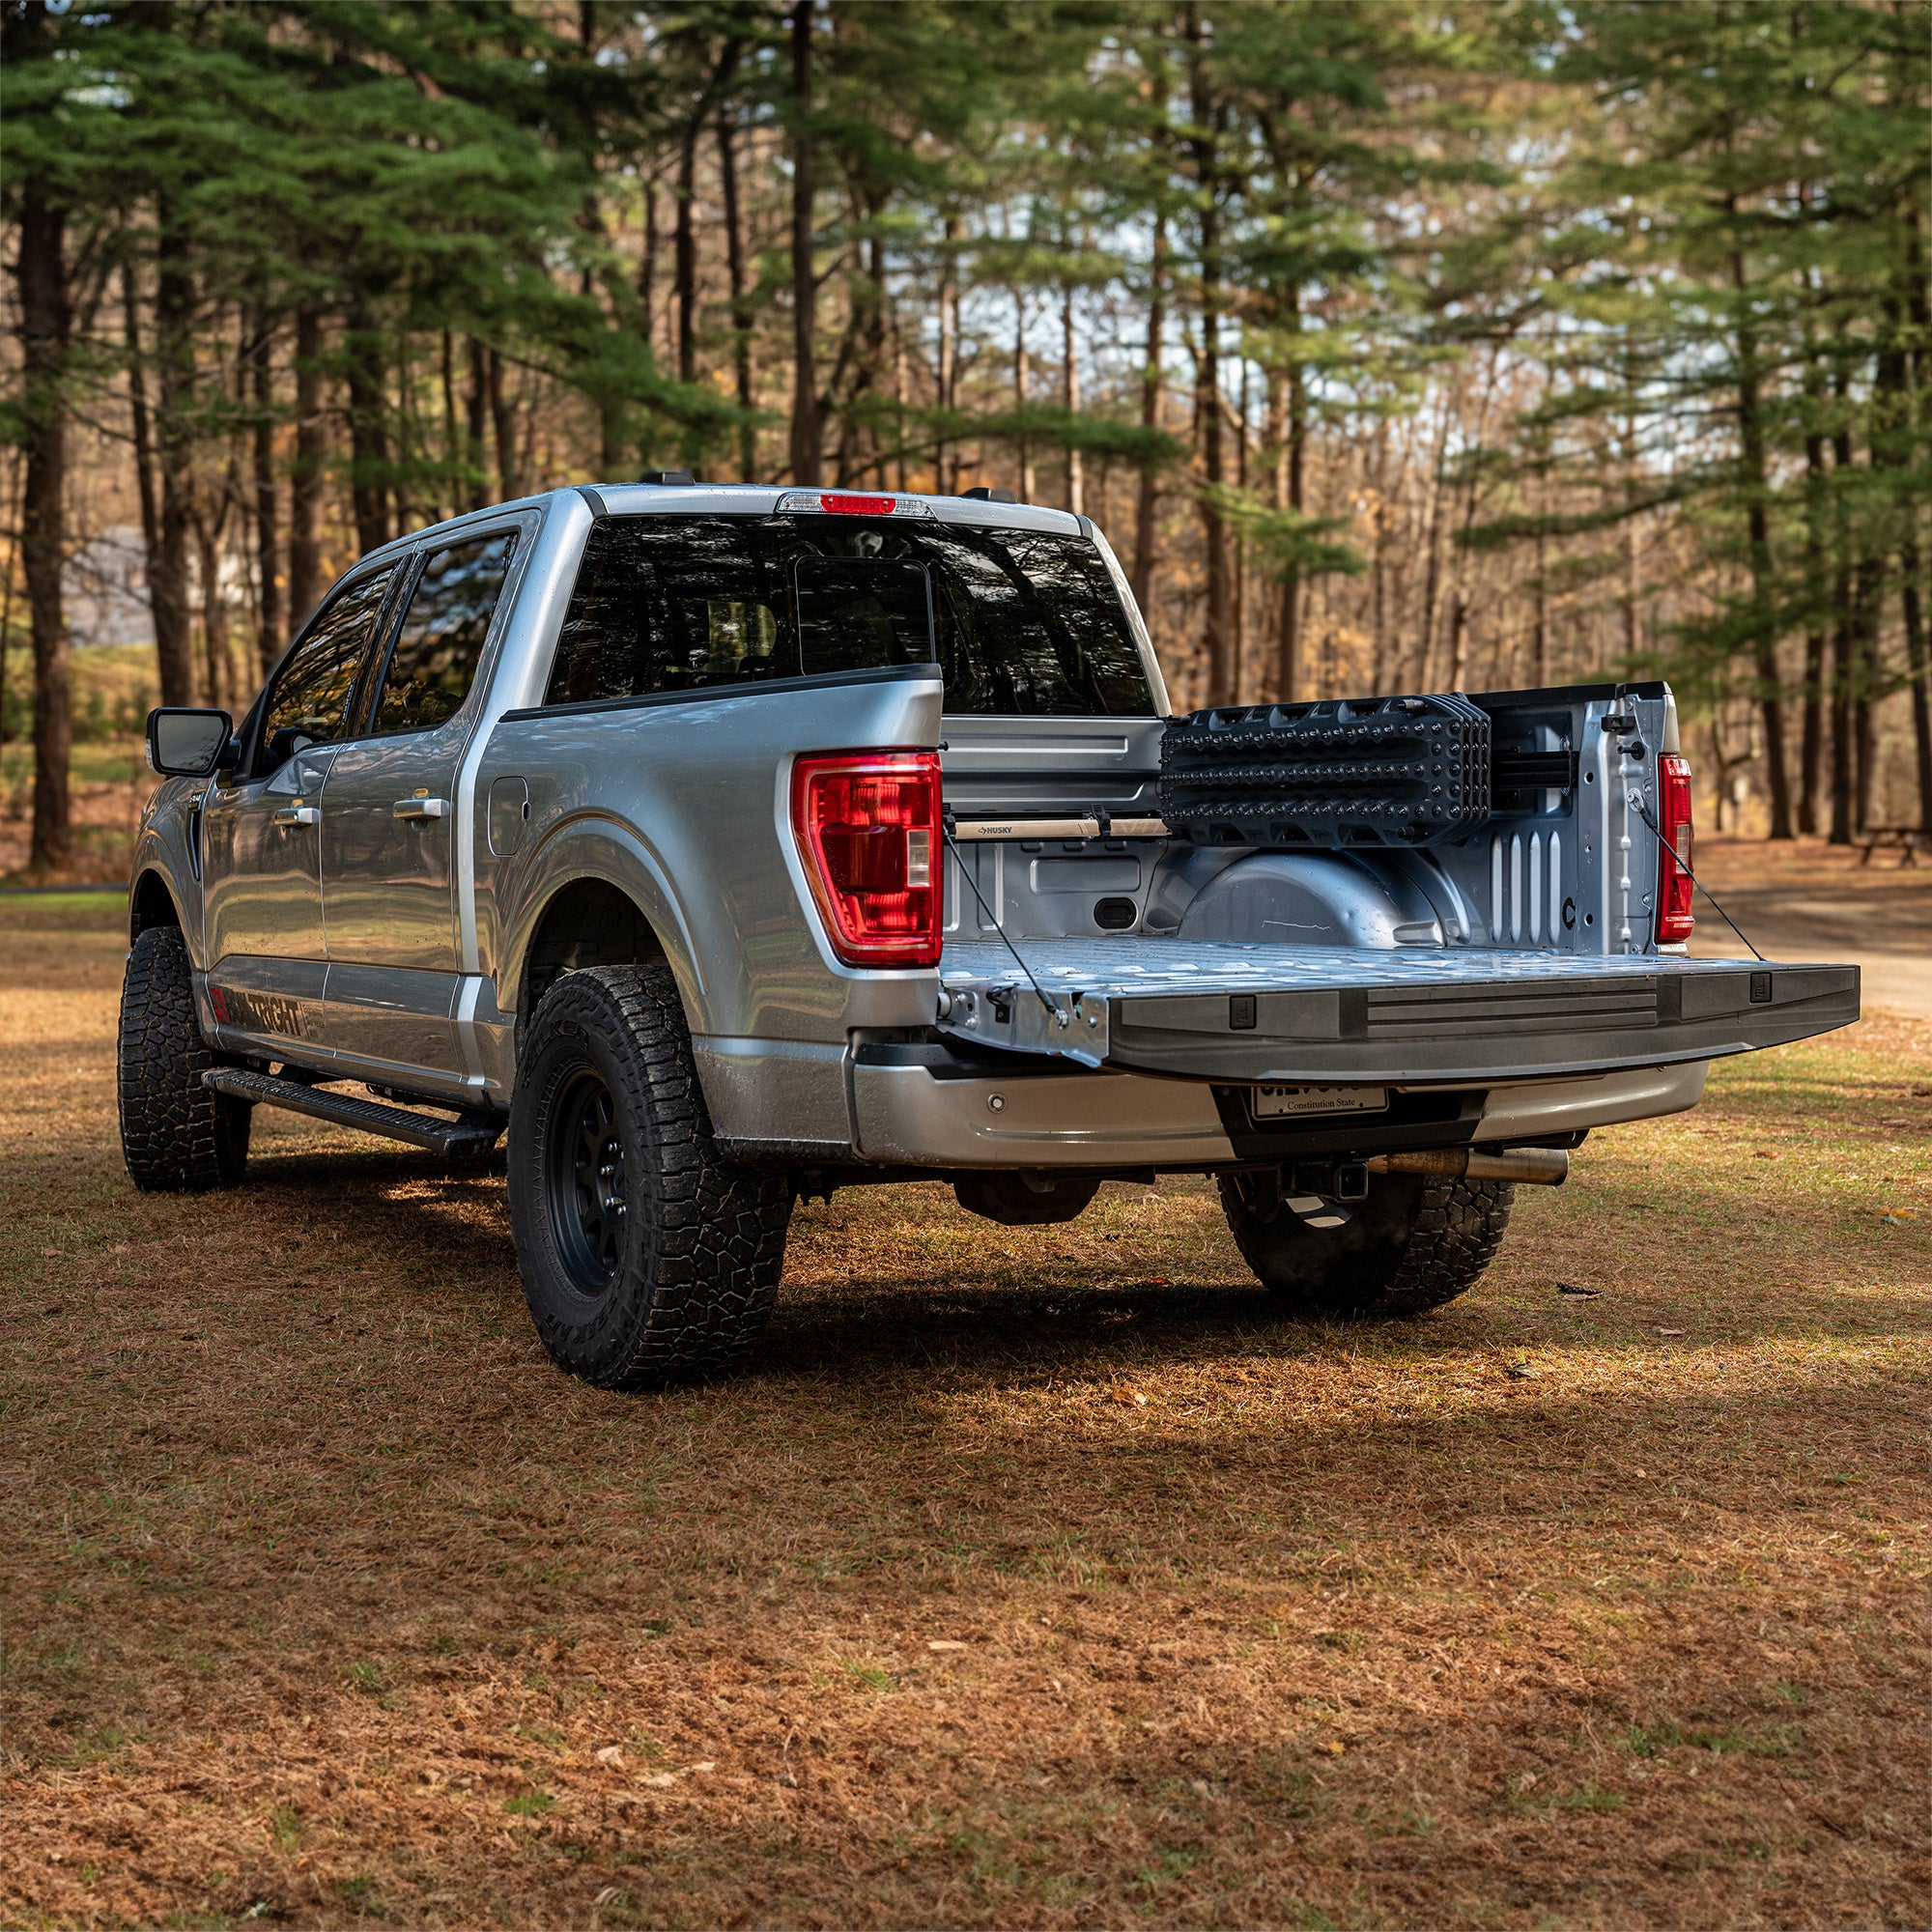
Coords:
pixel 1303 1014
pixel 911 1108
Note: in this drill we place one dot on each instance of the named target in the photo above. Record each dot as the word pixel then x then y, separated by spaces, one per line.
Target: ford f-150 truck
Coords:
pixel 726 845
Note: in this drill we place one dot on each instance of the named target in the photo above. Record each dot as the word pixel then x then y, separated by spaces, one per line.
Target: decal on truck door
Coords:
pixel 258 1012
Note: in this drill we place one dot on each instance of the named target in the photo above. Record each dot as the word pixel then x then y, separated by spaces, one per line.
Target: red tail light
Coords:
pixel 866 823
pixel 1673 821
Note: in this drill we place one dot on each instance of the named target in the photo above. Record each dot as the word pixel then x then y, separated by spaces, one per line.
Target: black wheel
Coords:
pixel 1417 1242
pixel 176 1136
pixel 646 1257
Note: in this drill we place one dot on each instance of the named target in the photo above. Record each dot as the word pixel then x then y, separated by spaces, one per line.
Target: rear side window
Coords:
pixel 1022 623
pixel 434 660
pixel 313 689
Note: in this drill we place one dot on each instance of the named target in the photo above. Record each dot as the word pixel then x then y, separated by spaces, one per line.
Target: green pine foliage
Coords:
pixel 1399 343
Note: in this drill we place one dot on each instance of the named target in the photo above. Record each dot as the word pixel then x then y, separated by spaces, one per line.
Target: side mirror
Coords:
pixel 185 744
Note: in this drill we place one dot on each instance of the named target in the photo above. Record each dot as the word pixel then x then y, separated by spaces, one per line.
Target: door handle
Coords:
pixel 298 815
pixel 421 807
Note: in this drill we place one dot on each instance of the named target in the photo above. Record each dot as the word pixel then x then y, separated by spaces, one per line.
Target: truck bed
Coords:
pixel 1310 1014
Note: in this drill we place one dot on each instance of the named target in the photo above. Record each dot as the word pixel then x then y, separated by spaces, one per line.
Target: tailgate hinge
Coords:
pixel 1008 1012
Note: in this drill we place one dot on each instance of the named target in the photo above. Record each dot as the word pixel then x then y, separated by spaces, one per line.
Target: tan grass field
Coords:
pixel 1031 1578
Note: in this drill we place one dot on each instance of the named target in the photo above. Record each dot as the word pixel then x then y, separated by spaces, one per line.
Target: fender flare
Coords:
pixel 594 846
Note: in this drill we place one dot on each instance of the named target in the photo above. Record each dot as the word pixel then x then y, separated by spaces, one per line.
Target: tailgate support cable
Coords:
pixel 1643 812
pixel 1621 721
pixel 1058 1017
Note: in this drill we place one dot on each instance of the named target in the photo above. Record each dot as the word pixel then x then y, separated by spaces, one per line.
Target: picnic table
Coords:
pixel 1908 840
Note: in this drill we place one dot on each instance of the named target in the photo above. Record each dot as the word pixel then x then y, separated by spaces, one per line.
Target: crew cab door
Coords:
pixel 261 830
pixel 388 828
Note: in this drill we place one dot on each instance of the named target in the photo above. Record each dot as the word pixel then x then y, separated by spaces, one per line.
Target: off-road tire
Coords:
pixel 1417 1242
pixel 647 1256
pixel 176 1137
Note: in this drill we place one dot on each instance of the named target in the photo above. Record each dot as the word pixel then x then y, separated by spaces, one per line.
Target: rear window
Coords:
pixel 1022 623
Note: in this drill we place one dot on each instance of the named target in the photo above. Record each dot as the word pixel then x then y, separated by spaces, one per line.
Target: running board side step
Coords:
pixel 476 1133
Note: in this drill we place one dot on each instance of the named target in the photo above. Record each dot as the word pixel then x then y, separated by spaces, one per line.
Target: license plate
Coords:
pixel 1277 1103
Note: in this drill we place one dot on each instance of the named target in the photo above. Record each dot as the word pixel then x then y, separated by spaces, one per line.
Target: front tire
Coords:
pixel 647 1256
pixel 176 1137
pixel 1417 1242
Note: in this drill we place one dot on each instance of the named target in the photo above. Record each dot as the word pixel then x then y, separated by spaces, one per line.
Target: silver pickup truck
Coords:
pixel 728 845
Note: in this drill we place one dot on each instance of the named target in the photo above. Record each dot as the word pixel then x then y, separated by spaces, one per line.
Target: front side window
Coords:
pixel 1021 622
pixel 440 641
pixel 310 698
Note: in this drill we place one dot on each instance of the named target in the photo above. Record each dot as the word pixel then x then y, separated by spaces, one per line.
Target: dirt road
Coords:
pixel 1809 900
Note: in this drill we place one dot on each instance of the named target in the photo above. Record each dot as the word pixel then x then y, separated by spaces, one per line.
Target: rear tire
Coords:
pixel 646 1257
pixel 1417 1242
pixel 176 1137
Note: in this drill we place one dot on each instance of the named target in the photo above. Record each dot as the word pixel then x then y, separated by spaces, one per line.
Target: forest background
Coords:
pixel 1463 345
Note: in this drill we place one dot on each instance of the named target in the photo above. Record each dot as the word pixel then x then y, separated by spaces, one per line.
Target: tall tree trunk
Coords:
pixel 741 309
pixel 368 432
pixel 45 324
pixel 477 407
pixel 946 458
pixel 167 570
pixel 1290 473
pixel 1539 671
pixel 208 528
pixel 647 265
pixel 1275 436
pixel 144 441
pixel 1023 392
pixel 1070 395
pixel 452 443
pixel 1843 679
pixel 1842 733
pixel 17 493
pixel 268 628
pixel 1215 633
pixel 1432 576
pixel 902 399
pixel 684 253
pixel 807 440
pixel 404 467
pixel 1918 673
pixel 1756 482
pixel 1627 601
pixel 1146 494
pixel 503 419
pixel 1204 114
pixel 305 476
pixel 1844 643
pixel 1237 546
pixel 1865 601
pixel 878 329
pixel 1811 744
pixel 1894 426
pixel 1811 741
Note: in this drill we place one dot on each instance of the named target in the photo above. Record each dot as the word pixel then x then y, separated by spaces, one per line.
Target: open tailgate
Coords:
pixel 1309 1015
